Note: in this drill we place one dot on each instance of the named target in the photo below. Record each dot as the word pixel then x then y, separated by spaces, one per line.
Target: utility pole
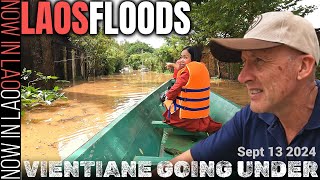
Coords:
pixel 142 59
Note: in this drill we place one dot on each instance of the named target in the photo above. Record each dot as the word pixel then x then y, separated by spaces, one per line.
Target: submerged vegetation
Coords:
pixel 32 96
pixel 108 56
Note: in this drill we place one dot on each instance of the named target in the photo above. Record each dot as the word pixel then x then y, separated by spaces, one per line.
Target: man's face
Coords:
pixel 270 76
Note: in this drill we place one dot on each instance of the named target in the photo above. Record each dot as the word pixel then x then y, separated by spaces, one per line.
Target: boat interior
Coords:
pixel 140 135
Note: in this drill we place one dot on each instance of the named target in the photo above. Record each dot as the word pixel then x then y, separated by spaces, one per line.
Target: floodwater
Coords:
pixel 54 132
pixel 231 90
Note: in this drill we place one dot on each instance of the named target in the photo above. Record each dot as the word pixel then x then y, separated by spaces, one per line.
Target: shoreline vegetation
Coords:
pixel 71 57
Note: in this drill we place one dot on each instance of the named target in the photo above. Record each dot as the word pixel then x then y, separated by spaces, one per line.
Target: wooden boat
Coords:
pixel 140 135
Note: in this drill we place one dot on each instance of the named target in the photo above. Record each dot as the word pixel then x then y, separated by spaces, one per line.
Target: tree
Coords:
pixel 38 50
pixel 163 55
pixel 220 18
pixel 138 48
pixel 104 54
pixel 134 61
pixel 175 45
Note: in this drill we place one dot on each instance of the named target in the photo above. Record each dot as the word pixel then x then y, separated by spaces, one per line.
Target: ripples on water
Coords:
pixel 90 107
pixel 69 143
pixel 53 133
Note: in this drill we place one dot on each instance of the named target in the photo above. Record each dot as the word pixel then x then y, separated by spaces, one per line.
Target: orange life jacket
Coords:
pixel 193 100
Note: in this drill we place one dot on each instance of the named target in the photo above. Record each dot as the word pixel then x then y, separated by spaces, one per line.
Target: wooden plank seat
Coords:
pixel 161 124
pixel 176 130
pixel 154 159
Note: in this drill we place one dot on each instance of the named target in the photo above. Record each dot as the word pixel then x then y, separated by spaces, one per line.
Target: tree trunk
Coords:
pixel 218 69
pixel 37 51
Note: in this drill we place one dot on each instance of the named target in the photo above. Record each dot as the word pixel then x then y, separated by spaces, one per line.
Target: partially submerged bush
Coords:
pixel 32 96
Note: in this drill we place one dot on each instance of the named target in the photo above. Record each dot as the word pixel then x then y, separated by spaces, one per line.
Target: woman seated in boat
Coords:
pixel 187 101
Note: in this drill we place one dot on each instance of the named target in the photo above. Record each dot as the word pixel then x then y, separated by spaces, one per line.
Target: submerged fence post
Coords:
pixel 65 67
pixel 73 66
pixel 82 65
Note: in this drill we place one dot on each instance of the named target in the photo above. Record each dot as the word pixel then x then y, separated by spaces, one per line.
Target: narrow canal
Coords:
pixel 54 132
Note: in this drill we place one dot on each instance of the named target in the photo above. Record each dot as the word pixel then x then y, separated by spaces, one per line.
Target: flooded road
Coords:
pixel 54 132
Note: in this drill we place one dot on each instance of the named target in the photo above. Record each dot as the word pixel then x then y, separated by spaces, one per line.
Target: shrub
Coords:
pixel 32 96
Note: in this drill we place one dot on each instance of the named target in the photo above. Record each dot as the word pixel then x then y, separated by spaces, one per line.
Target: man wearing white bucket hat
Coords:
pixel 280 52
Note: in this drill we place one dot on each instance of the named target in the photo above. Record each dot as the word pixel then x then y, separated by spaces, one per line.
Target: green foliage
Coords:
pixel 140 54
pixel 163 55
pixel 175 45
pixel 150 61
pixel 220 18
pixel 105 55
pixel 170 51
pixel 210 18
pixel 32 96
pixel 134 61
pixel 137 48
pixel 318 72
pixel 39 76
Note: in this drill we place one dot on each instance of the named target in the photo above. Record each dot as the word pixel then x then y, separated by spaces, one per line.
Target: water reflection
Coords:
pixel 52 133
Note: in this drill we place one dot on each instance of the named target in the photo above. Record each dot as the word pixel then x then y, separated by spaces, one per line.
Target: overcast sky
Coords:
pixel 314 17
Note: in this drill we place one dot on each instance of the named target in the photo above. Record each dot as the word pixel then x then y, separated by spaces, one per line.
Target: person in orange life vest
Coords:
pixel 176 67
pixel 187 104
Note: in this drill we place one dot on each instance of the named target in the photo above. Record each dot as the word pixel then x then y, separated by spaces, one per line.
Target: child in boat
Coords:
pixel 188 101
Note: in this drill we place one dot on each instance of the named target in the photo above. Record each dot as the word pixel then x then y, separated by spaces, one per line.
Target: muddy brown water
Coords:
pixel 54 132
